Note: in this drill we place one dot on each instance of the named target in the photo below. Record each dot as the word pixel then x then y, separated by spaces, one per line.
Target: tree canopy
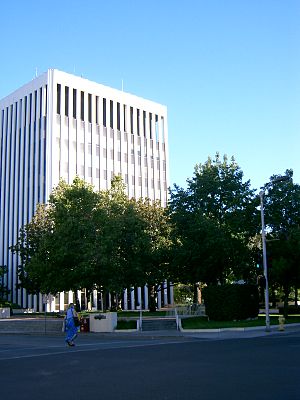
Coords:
pixel 282 218
pixel 214 218
pixel 84 239
pixel 210 233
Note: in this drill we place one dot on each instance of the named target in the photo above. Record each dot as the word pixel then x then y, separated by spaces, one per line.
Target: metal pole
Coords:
pixel 263 236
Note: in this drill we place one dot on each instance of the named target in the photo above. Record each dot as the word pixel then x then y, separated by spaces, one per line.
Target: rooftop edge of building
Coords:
pixel 80 83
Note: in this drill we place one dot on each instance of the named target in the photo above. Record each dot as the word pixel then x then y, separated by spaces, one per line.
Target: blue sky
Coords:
pixel 228 70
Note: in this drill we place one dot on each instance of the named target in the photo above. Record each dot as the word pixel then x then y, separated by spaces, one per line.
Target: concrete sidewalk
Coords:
pixel 52 326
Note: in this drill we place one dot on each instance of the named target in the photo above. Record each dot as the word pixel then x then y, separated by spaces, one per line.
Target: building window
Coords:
pixel 104 112
pixel 138 121
pixel 97 150
pixel 126 178
pixel 111 154
pixel 58 98
pixel 156 128
pixel 90 108
pixel 144 122
pixel 89 172
pixel 82 106
pixel 97 173
pixel 90 148
pixel 97 109
pixel 125 117
pixel 118 117
pixel 66 101
pixel 74 102
pixel 150 125
pixel 35 104
pixel 131 119
pixel 111 114
pixel 126 157
pixel 105 174
pixel 104 153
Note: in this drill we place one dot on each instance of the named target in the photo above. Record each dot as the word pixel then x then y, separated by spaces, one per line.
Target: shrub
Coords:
pixel 130 324
pixel 290 310
pixel 5 303
pixel 231 302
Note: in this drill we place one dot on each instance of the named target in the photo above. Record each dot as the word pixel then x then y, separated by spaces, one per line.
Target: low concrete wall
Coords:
pixel 31 325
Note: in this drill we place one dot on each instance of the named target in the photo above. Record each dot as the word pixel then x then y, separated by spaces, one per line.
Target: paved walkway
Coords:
pixel 229 333
pixel 53 327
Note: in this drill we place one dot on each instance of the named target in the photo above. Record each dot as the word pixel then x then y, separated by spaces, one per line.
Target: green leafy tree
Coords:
pixel 132 242
pixel 82 239
pixel 214 219
pixel 155 244
pixel 72 209
pixel 108 271
pixel 282 217
pixel 56 247
pixel 33 252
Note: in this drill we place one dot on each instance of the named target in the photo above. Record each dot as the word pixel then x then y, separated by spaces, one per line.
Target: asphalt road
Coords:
pixel 113 368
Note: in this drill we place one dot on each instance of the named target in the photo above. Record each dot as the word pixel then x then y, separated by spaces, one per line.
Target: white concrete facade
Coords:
pixel 61 125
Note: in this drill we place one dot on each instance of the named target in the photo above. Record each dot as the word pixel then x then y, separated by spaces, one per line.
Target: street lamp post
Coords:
pixel 264 249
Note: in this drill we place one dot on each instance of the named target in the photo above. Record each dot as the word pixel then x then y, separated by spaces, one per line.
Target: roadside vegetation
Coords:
pixel 204 323
pixel 209 235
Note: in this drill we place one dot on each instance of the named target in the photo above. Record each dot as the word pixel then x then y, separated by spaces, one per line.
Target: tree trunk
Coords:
pixel 104 302
pixel 286 302
pixel 273 297
pixel 77 303
pixel 196 294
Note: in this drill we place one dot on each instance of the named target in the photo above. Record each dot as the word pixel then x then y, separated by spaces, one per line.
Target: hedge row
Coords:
pixel 231 302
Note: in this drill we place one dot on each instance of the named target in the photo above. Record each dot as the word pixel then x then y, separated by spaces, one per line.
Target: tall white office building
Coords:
pixel 61 125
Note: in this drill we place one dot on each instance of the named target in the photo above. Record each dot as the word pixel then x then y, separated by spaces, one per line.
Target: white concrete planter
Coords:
pixel 103 322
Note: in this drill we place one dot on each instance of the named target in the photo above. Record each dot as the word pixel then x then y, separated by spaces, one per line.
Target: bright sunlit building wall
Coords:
pixel 61 125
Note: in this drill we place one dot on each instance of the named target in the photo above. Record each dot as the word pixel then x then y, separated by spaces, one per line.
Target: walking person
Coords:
pixel 71 326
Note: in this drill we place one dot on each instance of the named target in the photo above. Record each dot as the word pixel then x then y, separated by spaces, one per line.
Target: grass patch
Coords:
pixel 203 323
